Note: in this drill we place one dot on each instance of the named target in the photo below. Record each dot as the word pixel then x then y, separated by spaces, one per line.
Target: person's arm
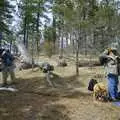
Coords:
pixel 105 53
pixel 104 57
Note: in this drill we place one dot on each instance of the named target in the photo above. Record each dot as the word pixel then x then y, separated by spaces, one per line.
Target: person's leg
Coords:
pixel 4 77
pixel 112 86
pixel 116 86
pixel 12 75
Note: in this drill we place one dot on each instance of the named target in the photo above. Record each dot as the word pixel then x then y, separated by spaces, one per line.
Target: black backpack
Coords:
pixel 7 59
pixel 91 84
pixel 47 67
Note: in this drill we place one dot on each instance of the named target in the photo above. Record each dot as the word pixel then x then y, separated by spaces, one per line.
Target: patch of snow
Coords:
pixel 8 89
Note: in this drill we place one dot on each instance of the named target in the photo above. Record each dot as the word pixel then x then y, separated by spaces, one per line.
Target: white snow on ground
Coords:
pixel 8 89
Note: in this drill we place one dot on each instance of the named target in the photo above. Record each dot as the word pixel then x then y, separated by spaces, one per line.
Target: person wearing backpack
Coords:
pixel 111 62
pixel 7 67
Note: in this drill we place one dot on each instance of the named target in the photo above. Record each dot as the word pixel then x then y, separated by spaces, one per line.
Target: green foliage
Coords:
pixel 31 12
pixel 5 15
pixel 48 47
pixel 49 40
pixel 85 18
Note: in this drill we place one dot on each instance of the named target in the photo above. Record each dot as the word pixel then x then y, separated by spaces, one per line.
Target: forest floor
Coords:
pixel 69 100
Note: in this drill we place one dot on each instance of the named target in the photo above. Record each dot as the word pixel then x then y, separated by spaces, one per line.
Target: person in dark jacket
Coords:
pixel 7 66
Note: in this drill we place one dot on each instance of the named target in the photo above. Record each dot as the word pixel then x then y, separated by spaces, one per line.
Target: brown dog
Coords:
pixel 100 92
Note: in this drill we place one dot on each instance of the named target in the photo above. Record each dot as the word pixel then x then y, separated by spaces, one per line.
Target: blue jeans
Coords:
pixel 113 86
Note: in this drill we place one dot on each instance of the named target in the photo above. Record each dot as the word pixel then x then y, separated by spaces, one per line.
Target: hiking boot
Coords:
pixel 114 99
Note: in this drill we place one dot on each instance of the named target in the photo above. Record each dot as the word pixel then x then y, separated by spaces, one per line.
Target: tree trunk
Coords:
pixel 32 53
pixel 61 45
pixel 37 28
pixel 85 40
pixel 54 33
pixel 77 55
pixel 66 37
pixel 26 43
pixel 24 39
pixel 73 42
pixel 0 39
pixel 10 45
pixel 77 60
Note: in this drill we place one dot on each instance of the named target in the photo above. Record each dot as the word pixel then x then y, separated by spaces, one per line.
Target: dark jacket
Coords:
pixel 7 58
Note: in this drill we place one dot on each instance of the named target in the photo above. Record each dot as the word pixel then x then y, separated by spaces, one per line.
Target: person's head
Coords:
pixel 112 50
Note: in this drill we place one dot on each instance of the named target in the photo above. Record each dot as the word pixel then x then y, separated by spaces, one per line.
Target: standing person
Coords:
pixel 7 66
pixel 111 66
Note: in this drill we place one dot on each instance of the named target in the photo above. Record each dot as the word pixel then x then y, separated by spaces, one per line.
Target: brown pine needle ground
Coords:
pixel 69 100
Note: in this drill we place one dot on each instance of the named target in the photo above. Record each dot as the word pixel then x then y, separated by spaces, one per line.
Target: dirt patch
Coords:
pixel 69 100
pixel 22 106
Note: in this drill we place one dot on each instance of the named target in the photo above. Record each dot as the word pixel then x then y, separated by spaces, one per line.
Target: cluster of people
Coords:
pixel 109 58
pixel 7 66
pixel 111 61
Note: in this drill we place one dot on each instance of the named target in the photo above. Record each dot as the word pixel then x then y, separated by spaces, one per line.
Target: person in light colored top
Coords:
pixel 112 71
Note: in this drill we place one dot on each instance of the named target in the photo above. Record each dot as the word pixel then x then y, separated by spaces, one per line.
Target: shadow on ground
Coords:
pixel 54 112
pixel 22 106
pixel 63 87
pixel 35 99
pixel 26 106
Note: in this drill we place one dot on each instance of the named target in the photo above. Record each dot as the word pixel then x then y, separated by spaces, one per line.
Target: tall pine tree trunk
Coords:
pixel 37 28
pixel 77 53
pixel 25 26
pixel 85 40
pixel 54 33
pixel 61 44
